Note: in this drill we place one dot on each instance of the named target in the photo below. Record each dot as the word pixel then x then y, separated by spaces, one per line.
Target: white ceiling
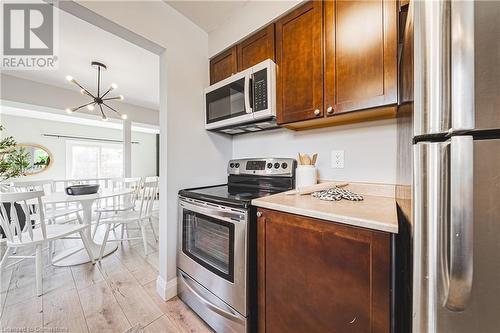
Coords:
pixel 133 69
pixel 208 15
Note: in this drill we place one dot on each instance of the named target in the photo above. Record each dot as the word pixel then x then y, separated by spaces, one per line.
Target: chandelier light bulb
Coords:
pixel 69 78
pixel 124 116
pixel 104 118
pixel 90 107
pixel 68 110
pixel 82 91
pixel 113 86
pixel 120 97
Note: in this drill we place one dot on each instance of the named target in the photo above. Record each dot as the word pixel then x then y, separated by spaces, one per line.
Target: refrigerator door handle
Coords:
pixel 462 65
pixel 461 223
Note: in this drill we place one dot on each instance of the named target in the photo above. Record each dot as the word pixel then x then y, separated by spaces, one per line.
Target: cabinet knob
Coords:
pixel 317 112
pixel 329 110
pixel 259 214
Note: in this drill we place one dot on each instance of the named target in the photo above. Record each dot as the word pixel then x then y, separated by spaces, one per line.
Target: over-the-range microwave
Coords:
pixel 244 102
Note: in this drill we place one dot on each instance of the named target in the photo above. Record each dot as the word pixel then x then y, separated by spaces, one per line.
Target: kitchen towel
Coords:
pixel 336 194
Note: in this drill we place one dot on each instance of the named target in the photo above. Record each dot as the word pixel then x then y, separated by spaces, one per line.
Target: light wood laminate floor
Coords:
pixel 117 295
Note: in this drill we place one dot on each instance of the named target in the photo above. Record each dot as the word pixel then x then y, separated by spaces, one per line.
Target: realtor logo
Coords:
pixel 28 36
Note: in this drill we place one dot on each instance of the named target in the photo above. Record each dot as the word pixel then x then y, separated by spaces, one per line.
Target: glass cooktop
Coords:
pixel 223 194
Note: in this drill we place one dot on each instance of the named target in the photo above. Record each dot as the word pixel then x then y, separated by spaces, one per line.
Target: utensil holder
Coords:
pixel 305 175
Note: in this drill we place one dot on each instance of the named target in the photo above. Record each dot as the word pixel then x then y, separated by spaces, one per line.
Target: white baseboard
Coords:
pixel 166 290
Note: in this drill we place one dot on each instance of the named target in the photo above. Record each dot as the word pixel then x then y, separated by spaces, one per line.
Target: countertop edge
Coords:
pixel 343 219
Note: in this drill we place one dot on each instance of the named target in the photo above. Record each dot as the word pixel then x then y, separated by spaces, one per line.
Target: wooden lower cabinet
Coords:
pixel 320 276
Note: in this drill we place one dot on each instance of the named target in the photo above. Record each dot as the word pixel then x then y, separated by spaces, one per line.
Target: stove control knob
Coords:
pixel 276 165
pixel 284 165
pixel 231 165
pixel 269 165
pixel 237 165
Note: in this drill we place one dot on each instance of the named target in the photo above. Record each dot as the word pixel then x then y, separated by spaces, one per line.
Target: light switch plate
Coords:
pixel 337 158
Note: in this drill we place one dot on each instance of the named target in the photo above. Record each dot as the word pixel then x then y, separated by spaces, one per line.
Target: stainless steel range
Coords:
pixel 216 258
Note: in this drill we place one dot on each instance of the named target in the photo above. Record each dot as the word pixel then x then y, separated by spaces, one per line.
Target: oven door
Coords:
pixel 228 102
pixel 212 249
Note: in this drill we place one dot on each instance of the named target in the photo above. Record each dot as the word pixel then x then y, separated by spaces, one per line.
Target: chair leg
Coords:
pixel 123 232
pixel 38 268
pixel 153 229
pixel 79 218
pixel 105 240
pixel 86 244
pixel 96 224
pixel 5 257
pixel 144 239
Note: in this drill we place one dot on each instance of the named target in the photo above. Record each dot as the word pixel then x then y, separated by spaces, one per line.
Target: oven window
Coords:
pixel 209 242
pixel 226 102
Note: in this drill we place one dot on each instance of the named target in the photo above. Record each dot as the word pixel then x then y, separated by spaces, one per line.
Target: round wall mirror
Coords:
pixel 38 158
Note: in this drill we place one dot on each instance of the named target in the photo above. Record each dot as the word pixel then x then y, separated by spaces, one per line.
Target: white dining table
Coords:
pixel 77 255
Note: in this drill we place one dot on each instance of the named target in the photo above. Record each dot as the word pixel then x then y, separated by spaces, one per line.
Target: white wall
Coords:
pixel 185 145
pixel 253 16
pixel 370 148
pixel 30 130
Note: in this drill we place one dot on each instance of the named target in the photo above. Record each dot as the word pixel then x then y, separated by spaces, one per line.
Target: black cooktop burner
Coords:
pixel 223 194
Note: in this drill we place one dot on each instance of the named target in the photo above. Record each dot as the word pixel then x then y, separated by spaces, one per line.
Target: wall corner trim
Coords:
pixel 166 290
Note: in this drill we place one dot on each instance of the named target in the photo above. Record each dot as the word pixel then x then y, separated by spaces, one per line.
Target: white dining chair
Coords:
pixel 156 204
pixel 53 213
pixel 141 217
pixel 32 234
pixel 119 204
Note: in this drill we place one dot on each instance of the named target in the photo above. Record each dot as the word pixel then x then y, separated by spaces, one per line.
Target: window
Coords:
pixel 93 160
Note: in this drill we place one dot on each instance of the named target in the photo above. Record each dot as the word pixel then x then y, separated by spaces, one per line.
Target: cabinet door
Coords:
pixel 223 65
pixel 321 276
pixel 299 90
pixel 361 54
pixel 256 48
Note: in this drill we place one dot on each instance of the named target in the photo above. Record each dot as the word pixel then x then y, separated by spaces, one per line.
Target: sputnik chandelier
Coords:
pixel 99 100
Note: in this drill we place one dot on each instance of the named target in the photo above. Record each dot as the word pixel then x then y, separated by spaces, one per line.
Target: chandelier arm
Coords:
pixel 79 85
pixel 82 106
pixel 102 111
pixel 111 108
pixel 106 93
pixel 111 98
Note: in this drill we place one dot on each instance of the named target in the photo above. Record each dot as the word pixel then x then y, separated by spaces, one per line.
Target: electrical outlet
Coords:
pixel 337 159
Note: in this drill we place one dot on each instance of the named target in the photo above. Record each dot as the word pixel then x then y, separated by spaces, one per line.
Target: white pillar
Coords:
pixel 127 148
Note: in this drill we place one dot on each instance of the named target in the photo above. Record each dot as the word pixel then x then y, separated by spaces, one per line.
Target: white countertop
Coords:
pixel 374 212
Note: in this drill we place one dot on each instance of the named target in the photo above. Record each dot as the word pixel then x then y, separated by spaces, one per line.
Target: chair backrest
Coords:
pixel 12 226
pixel 148 195
pixel 152 179
pixel 46 185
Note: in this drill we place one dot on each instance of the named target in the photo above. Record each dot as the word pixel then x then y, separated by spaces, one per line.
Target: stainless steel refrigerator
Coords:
pixel 456 167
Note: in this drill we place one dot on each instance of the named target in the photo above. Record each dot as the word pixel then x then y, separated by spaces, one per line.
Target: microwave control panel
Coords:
pixel 260 90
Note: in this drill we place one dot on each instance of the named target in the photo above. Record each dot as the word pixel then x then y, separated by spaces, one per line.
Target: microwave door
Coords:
pixel 227 102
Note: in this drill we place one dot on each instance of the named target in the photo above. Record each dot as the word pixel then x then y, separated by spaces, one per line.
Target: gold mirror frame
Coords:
pixel 35 145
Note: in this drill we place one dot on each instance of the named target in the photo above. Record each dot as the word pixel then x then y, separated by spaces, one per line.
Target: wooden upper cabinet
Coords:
pixel 361 54
pixel 256 48
pixel 299 87
pixel 223 65
pixel 316 276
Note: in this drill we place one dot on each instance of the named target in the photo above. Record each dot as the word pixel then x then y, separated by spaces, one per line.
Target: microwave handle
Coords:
pixel 248 93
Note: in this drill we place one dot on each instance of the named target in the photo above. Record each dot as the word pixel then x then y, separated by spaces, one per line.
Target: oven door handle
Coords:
pixel 230 315
pixel 215 213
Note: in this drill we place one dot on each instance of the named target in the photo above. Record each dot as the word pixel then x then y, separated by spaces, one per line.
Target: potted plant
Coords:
pixel 13 163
